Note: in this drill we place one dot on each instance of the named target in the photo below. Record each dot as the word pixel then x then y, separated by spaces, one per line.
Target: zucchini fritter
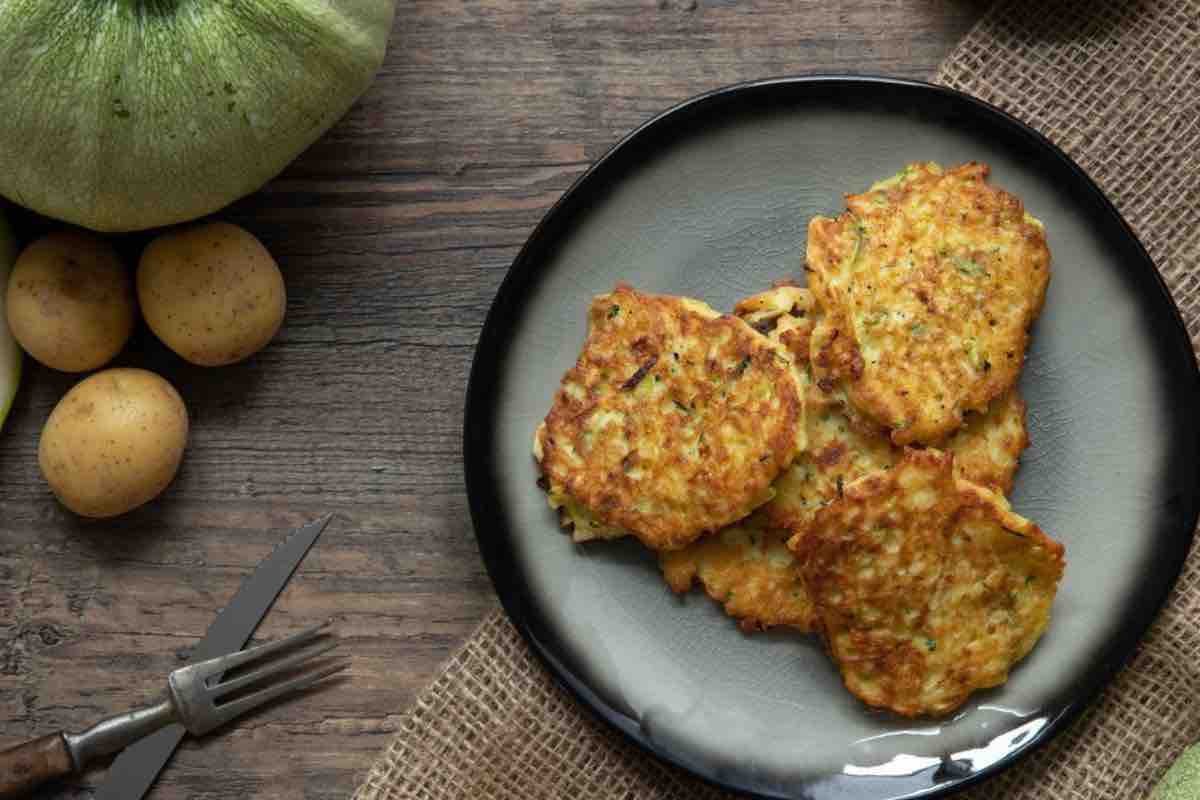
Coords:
pixel 929 284
pixel 843 445
pixel 748 568
pixel 743 567
pixel 675 420
pixel 926 587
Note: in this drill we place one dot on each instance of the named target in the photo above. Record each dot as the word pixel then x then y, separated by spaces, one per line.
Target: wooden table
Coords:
pixel 394 232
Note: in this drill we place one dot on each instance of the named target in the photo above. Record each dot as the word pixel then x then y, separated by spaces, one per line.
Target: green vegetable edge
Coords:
pixel 8 257
pixel 1182 780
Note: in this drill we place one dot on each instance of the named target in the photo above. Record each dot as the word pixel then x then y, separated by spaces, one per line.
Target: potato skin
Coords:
pixel 211 292
pixel 70 301
pixel 113 442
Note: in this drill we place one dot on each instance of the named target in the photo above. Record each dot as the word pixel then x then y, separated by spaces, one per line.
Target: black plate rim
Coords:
pixel 514 596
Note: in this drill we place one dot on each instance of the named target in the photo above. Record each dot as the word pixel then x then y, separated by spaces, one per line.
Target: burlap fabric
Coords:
pixel 1116 83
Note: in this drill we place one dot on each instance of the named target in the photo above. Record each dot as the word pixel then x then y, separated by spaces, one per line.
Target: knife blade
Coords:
pixel 136 768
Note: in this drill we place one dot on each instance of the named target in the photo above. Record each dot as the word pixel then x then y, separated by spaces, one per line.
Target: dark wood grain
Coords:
pixel 393 231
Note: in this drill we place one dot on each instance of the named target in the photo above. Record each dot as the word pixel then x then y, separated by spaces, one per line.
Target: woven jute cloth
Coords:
pixel 1117 85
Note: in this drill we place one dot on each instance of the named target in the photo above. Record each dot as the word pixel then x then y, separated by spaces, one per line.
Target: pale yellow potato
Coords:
pixel 113 442
pixel 211 292
pixel 70 301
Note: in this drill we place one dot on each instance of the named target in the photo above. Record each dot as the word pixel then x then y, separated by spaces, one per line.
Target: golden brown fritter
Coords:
pixel 748 568
pixel 987 448
pixel 843 446
pixel 929 284
pixel 926 587
pixel 675 420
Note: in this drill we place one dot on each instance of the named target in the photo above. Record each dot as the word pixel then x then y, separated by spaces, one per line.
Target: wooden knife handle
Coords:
pixel 24 767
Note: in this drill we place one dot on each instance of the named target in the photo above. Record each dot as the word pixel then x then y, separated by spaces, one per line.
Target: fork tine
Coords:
pixel 240 706
pixel 225 663
pixel 273 667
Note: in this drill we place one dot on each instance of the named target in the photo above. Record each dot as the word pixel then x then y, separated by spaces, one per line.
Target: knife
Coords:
pixel 135 770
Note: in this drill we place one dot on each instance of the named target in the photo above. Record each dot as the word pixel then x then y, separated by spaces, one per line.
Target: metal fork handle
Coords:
pixel 116 733
pixel 25 767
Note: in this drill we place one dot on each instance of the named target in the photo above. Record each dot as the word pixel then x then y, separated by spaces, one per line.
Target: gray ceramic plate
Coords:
pixel 711 199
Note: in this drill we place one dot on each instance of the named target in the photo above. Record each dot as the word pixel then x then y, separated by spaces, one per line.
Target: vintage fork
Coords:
pixel 198 697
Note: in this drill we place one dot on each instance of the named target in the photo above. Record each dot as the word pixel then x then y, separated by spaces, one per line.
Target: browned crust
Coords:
pixel 986 450
pixel 687 493
pixel 740 575
pixel 978 467
pixel 837 355
pixel 898 557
